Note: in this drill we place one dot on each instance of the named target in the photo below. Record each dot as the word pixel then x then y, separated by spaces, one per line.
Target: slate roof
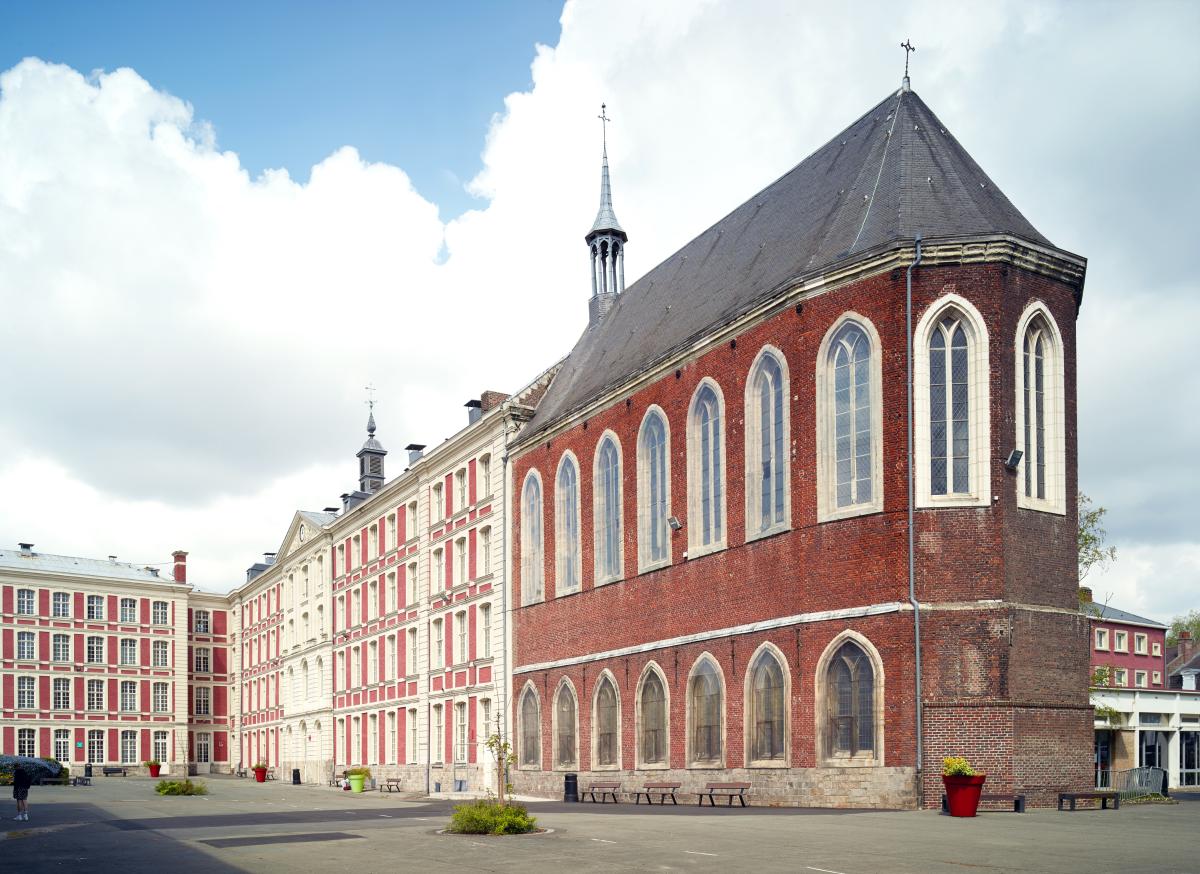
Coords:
pixel 318 519
pixel 44 562
pixel 894 173
pixel 1108 613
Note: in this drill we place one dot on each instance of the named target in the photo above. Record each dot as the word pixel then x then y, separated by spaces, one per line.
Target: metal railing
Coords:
pixel 1137 782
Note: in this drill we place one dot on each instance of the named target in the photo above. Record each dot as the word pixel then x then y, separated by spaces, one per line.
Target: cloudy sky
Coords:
pixel 212 237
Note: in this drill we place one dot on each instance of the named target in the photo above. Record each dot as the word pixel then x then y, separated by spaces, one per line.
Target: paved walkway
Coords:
pixel 119 824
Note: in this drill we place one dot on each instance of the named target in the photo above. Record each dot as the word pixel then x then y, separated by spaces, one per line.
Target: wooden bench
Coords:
pixel 662 790
pixel 81 781
pixel 336 779
pixel 728 790
pixel 112 772
pixel 1017 801
pixel 391 784
pixel 605 790
pixel 1101 795
pixel 270 773
pixel 240 772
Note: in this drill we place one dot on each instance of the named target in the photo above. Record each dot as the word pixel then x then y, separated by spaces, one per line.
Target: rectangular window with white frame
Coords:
pixel 201 621
pixel 485 551
pixel 128 696
pixel 410 726
pixel 1120 641
pixel 1102 638
pixel 129 649
pixel 61 606
pixel 61 649
pixel 1156 648
pixel 128 747
pixel 158 746
pixel 95 650
pixel 460 630
pixel 129 610
pixel 25 602
pixel 62 744
pixel 410 652
pixel 460 732
pixel 1141 644
pixel 485 631
pixel 25 646
pixel 1139 679
pixel 26 693
pixel 1120 678
pixel 158 612
pixel 437 655
pixel 436 742
pixel 159 653
pixel 62 695
pixel 95 606
pixel 95 694
pixel 202 657
pixel 460 480
pixel 460 561
pixel 159 697
pixel 26 742
pixel 201 701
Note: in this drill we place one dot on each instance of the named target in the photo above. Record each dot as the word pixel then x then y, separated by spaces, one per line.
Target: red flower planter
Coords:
pixel 154 770
pixel 962 794
pixel 260 776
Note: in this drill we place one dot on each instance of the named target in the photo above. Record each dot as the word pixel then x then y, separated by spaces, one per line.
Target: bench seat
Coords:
pixel 1101 795
pixel 728 790
pixel 1017 801
pixel 606 789
pixel 662 790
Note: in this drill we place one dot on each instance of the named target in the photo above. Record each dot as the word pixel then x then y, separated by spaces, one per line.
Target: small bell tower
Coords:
pixel 370 457
pixel 606 243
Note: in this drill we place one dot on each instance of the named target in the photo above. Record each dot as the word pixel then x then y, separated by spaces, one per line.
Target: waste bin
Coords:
pixel 295 776
pixel 87 769
pixel 570 787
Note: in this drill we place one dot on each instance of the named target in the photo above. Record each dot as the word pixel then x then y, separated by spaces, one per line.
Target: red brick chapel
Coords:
pixel 715 572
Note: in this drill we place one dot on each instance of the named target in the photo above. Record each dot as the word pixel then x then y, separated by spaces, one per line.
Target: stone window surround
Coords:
pixel 827 508
pixel 753 439
pixel 1054 405
pixel 597 510
pixel 563 550
pixel 564 684
pixel 536 765
pixel 979 375
pixel 645 563
pixel 533 588
pixel 606 674
pixel 820 691
pixel 652 666
pixel 748 709
pixel 687 691
pixel 695 525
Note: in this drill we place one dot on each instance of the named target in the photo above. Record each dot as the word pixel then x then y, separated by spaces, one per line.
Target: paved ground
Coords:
pixel 119 824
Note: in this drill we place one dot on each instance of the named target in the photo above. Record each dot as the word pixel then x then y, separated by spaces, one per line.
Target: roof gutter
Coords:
pixel 912 577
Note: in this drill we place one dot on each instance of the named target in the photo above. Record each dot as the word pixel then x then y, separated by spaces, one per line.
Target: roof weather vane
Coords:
pixel 908 49
pixel 370 389
pixel 604 120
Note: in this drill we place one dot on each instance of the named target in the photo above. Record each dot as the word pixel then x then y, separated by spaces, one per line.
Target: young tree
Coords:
pixel 1092 551
pixel 1186 622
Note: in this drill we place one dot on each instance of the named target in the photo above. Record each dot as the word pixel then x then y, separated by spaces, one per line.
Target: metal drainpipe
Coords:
pixel 912 579
pixel 507 591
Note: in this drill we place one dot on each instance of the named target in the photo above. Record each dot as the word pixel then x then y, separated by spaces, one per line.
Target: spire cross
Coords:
pixel 604 120
pixel 908 48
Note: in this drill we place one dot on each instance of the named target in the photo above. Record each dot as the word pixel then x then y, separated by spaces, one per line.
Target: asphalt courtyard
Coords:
pixel 119 824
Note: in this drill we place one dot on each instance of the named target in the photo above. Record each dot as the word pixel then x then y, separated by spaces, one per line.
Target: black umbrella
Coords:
pixel 34 765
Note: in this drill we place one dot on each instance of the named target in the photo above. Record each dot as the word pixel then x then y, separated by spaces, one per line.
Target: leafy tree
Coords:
pixel 1186 622
pixel 1092 551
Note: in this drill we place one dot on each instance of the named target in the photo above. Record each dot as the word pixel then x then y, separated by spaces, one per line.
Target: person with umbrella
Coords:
pixel 22 780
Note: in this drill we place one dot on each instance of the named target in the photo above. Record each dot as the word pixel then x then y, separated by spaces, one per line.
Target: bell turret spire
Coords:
pixel 370 457
pixel 606 241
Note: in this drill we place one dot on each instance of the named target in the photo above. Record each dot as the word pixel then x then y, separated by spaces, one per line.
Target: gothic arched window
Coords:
pixel 767 720
pixel 706 711
pixel 607 717
pixel 767 502
pixel 652 720
pixel 564 728
pixel 531 540
pixel 531 730
pixel 706 472
pixel 606 489
pixel 654 491
pixel 566 536
pixel 1039 413
pixel 850 702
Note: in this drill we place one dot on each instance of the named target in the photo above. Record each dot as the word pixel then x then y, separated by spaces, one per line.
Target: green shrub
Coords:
pixel 364 771
pixel 180 787
pixel 486 817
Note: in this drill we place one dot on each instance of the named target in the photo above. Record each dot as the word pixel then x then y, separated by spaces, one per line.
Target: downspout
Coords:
pixel 506 674
pixel 912 578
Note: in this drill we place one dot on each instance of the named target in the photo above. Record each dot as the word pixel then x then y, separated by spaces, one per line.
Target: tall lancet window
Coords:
pixel 654 491
pixel 949 408
pixel 606 490
pixel 1040 480
pixel 531 539
pixel 566 534
pixel 766 445
pixel 706 472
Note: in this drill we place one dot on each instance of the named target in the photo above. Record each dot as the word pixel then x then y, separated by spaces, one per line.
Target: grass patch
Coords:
pixel 486 817
pixel 180 787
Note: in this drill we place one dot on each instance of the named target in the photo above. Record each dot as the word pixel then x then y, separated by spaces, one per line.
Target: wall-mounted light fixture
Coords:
pixel 1014 459
pixel 674 522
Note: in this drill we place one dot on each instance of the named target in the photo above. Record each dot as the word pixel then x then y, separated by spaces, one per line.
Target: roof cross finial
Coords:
pixel 908 49
pixel 604 120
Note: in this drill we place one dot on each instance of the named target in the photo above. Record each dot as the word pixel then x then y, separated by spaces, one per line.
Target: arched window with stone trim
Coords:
pixel 849 420
pixel 850 705
pixel 653 711
pixel 566 743
pixel 951 405
pixel 606 728
pixel 766 710
pixel 706 469
pixel 706 714
pixel 566 526
pixel 531 729
pixel 607 501
pixel 654 490
pixel 532 564
pixel 768 502
pixel 1040 419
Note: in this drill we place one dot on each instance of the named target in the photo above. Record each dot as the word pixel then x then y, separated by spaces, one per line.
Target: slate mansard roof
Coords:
pixel 894 173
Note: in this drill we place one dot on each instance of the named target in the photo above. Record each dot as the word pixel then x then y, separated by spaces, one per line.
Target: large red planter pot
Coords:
pixel 962 794
pixel 260 776
pixel 154 770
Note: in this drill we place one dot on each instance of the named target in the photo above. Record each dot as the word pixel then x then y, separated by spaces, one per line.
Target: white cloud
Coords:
pixel 187 345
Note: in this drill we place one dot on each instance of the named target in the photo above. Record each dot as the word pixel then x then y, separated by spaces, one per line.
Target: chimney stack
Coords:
pixel 180 565
pixel 26 549
pixel 474 411
pixel 1186 645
